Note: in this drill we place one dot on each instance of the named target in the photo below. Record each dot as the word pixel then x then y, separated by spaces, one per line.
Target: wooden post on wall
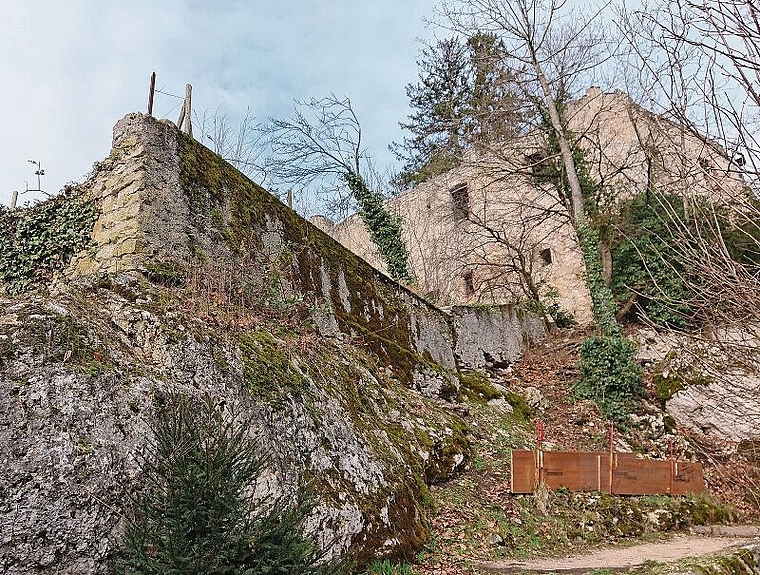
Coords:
pixel 184 122
pixel 182 111
pixel 188 109
pixel 151 92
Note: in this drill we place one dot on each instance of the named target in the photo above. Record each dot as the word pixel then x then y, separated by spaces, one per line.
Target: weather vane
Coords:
pixel 39 173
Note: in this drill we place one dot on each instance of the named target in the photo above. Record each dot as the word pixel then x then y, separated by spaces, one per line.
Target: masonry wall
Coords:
pixel 510 228
pixel 517 226
pixel 168 203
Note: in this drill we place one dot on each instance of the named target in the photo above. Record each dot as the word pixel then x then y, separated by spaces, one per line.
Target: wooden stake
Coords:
pixel 540 436
pixel 151 92
pixel 181 118
pixel 188 105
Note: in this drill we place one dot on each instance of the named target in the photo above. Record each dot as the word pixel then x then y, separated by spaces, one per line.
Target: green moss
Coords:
pixel 670 379
pixel 269 373
pixel 475 387
pixel 519 406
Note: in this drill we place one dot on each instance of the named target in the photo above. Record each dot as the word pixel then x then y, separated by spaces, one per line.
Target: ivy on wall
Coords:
pixel 384 228
pixel 41 240
pixel 603 302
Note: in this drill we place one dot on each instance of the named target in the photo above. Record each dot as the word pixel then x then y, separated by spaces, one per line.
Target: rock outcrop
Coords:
pixel 200 282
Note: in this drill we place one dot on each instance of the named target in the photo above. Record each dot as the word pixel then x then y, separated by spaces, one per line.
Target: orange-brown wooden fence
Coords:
pixel 590 471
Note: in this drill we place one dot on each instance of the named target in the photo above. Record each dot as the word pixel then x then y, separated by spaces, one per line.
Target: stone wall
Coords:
pixel 167 202
pixel 493 336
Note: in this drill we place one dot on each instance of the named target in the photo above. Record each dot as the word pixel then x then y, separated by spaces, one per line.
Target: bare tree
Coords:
pixel 239 143
pixel 699 63
pixel 320 147
pixel 549 49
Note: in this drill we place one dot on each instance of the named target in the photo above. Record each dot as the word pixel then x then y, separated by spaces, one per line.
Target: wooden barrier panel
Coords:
pixel 590 471
pixel 576 471
pixel 523 472
pixel 632 476
pixel 688 479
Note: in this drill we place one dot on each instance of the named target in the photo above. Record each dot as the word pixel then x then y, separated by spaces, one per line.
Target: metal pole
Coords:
pixel 612 454
pixel 151 92
pixel 672 468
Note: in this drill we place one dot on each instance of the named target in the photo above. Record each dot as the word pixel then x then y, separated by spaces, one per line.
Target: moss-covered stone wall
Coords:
pixel 169 206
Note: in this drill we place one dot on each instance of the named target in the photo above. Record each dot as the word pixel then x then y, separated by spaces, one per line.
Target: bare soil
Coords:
pixel 624 558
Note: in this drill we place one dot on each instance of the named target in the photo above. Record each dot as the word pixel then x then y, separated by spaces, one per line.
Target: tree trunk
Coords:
pixel 576 197
pixel 606 255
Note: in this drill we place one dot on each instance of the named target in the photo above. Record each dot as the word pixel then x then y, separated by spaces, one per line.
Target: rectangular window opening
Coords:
pixel 460 201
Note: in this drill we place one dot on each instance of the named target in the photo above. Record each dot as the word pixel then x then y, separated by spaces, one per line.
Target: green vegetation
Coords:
pixel 384 227
pixel 609 375
pixel 653 270
pixel 196 513
pixel 39 241
pixel 386 567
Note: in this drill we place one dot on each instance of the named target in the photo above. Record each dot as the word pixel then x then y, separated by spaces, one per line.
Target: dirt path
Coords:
pixel 623 558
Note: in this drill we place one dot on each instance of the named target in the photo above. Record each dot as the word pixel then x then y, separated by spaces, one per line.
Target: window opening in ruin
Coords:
pixel 540 165
pixel 460 199
pixel 469 286
pixel 546 256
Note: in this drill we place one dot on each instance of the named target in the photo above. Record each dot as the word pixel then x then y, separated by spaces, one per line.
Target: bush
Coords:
pixel 41 240
pixel 609 375
pixel 196 512
pixel 646 263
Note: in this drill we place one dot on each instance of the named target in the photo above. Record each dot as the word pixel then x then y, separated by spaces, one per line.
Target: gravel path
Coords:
pixel 620 558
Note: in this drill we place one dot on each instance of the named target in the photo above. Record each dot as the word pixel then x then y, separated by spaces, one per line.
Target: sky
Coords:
pixel 70 70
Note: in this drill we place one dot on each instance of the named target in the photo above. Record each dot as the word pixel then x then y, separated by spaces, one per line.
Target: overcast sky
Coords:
pixel 70 69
